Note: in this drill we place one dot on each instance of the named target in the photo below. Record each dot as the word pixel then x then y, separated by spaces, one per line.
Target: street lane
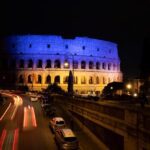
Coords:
pixel 9 127
pixel 12 135
pixel 38 137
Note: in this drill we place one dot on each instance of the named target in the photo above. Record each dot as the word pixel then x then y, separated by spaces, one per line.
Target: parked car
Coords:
pixel 56 122
pixel 66 139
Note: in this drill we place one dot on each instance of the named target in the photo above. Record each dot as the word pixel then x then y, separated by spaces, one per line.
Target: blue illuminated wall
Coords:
pixel 80 45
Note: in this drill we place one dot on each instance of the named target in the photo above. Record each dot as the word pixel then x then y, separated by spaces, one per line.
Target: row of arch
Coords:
pixel 58 64
pixel 84 80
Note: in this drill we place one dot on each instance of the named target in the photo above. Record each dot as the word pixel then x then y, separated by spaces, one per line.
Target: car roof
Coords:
pixel 58 119
pixel 68 133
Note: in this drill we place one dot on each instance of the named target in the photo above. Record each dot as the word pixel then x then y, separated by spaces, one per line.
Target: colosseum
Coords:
pixel 40 60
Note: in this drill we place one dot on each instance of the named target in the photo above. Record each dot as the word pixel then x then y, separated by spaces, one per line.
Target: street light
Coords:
pixel 135 95
pixel 66 65
pixel 32 80
pixel 111 88
pixel 32 75
pixel 128 86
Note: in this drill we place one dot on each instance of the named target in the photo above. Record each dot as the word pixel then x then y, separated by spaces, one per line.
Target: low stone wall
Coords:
pixel 111 139
pixel 119 127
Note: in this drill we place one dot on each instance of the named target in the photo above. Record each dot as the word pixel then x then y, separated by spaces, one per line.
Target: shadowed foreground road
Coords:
pixel 15 135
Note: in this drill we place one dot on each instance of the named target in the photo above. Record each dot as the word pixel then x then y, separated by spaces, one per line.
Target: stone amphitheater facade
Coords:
pixel 40 60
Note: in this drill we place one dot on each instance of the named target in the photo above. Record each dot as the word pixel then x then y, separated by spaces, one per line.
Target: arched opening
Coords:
pixel 75 80
pixel 57 79
pixel 75 64
pixel 91 65
pixel 48 63
pixel 83 64
pixel 83 80
pixel 39 65
pixel 30 63
pixel 97 65
pixel 39 79
pixel 21 80
pixel 48 79
pixel 65 80
pixel 57 64
pixel 91 80
pixel 104 65
pixel 29 79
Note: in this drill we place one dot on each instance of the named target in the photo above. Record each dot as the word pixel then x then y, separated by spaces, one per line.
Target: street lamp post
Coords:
pixel 32 81
pixel 66 64
pixel 129 86
pixel 32 75
pixel 73 68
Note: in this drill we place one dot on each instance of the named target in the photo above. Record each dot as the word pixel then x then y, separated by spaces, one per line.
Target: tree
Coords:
pixel 54 88
pixel 70 83
pixel 112 88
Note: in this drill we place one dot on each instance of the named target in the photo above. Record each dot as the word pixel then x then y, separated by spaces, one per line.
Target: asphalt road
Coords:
pixel 25 127
pixel 15 135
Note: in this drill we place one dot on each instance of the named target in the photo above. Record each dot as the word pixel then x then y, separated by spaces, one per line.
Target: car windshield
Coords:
pixel 70 139
pixel 60 122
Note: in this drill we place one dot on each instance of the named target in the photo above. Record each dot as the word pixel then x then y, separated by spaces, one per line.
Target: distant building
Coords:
pixel 133 85
pixel 39 60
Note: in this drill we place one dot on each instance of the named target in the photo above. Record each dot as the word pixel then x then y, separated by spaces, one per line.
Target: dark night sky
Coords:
pixel 124 22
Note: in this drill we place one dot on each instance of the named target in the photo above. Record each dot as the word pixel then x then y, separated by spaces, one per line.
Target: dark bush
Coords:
pixel 54 88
